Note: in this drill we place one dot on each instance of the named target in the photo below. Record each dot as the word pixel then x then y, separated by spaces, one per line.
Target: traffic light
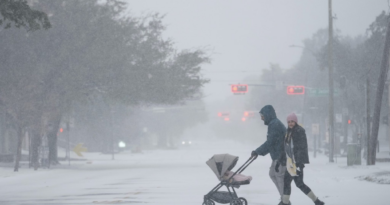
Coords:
pixel 243 119
pixel 249 114
pixel 239 88
pixel 296 90
pixel 349 122
pixel 223 114
pixel 61 130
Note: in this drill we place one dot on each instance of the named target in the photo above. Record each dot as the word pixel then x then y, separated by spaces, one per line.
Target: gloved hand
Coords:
pixel 277 167
pixel 254 154
pixel 300 168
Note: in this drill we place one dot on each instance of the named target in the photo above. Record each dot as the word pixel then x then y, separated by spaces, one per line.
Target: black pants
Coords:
pixel 298 182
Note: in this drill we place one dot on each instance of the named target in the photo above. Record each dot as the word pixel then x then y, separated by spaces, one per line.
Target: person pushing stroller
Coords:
pixel 273 145
pixel 294 157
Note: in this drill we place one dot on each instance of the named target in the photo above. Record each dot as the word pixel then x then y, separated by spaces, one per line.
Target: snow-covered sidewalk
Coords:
pixel 181 177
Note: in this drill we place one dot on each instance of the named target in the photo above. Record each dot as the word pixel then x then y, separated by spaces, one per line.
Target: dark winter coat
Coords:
pixel 299 142
pixel 275 134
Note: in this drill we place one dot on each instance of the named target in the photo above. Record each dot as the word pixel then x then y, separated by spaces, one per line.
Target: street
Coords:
pixel 166 85
pixel 181 177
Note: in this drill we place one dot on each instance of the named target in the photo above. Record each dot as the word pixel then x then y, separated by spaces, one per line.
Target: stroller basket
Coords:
pixel 222 197
pixel 238 179
pixel 221 165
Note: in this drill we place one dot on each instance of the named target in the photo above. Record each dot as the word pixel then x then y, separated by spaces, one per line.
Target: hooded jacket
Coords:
pixel 275 134
pixel 300 150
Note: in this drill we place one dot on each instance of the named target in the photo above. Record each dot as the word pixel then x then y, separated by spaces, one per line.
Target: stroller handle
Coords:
pixel 254 156
pixel 244 166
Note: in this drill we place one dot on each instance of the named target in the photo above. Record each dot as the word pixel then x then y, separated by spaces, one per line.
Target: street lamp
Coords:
pixel 306 48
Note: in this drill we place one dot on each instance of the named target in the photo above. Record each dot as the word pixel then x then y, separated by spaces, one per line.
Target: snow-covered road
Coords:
pixel 181 177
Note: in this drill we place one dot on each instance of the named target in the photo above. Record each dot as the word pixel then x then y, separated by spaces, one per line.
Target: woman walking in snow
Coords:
pixel 295 156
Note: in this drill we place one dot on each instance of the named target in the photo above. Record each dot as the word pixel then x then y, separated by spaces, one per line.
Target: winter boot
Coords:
pixel 318 202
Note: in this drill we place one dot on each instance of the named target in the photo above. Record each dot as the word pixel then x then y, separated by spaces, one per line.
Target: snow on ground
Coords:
pixel 182 177
pixel 380 177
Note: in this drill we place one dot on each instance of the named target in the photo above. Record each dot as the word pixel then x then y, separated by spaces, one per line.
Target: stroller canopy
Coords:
pixel 221 163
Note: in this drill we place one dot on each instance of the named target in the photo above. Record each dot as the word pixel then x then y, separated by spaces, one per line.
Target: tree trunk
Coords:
pixel 20 134
pixel 35 143
pixel 368 123
pixel 52 139
pixel 378 100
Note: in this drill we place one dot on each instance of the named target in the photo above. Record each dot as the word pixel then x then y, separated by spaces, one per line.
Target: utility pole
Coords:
pixel 388 115
pixel 331 88
pixel 368 121
pixel 379 95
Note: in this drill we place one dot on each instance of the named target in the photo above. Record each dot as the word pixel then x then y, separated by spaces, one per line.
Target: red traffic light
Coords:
pixel 296 90
pixel 223 114
pixel 61 130
pixel 249 114
pixel 349 121
pixel 239 88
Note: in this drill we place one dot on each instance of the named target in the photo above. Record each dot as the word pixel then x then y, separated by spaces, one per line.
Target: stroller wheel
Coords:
pixel 236 202
pixel 208 202
pixel 243 201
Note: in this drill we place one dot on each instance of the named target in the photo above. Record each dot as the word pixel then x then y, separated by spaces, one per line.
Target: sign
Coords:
pixel 78 149
pixel 315 129
pixel 321 92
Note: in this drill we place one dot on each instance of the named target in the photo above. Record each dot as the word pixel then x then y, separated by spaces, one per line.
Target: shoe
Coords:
pixel 318 202
pixel 281 203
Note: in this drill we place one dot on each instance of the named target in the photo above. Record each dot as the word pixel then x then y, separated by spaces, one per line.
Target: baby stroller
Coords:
pixel 222 164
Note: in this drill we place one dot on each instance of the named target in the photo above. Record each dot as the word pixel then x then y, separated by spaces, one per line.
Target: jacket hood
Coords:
pixel 269 113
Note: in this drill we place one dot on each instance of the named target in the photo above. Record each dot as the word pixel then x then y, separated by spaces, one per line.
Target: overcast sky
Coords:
pixel 248 35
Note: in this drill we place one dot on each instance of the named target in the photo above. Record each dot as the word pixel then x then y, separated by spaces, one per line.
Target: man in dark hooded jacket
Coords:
pixel 273 145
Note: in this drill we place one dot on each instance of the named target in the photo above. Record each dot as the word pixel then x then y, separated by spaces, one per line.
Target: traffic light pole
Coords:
pixel 331 88
pixel 388 115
